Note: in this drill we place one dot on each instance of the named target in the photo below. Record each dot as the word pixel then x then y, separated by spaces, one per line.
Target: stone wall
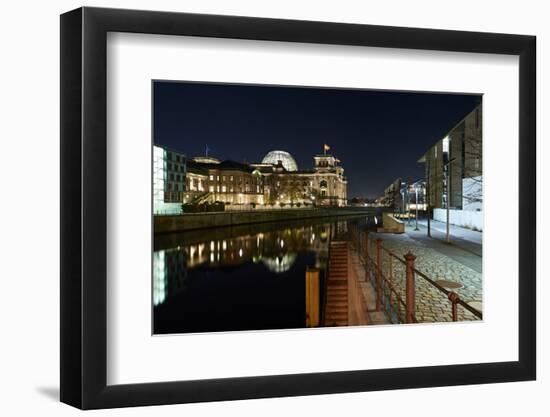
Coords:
pixel 166 224
pixel 391 225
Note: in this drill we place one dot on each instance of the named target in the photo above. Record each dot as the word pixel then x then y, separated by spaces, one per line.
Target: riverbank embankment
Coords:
pixel 194 221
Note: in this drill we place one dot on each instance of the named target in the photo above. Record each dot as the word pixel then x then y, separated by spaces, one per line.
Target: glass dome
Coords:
pixel 286 159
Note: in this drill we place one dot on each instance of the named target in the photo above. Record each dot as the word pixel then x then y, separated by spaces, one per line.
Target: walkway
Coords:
pixel 465 247
pixel 459 261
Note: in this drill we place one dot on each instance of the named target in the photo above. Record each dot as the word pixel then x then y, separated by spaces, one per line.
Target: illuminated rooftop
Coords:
pixel 288 162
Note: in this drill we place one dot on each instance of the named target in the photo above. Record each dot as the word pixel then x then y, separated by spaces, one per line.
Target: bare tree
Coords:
pixel 472 189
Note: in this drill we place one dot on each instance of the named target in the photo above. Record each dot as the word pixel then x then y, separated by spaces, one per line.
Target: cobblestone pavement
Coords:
pixel 431 304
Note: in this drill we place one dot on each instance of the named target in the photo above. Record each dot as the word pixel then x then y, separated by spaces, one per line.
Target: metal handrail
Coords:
pixel 451 295
pixel 448 293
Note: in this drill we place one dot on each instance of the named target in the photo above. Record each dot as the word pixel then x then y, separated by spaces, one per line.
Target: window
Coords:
pixel 223 189
pixel 446 144
pixel 231 178
pixel 211 188
pixel 177 158
pixel 211 178
pixel 223 178
pixel 323 184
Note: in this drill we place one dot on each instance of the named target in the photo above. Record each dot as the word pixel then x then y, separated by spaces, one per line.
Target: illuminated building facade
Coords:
pixel 276 181
pixel 169 175
pixel 454 166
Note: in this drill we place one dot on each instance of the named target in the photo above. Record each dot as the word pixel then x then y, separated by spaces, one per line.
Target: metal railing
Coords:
pixel 398 303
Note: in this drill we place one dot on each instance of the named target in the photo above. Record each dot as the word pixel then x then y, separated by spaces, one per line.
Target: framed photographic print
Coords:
pixel 258 208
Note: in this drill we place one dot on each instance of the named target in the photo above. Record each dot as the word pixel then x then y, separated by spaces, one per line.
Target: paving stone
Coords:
pixel 431 304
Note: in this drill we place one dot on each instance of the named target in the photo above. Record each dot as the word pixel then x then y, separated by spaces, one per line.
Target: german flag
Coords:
pixel 326 147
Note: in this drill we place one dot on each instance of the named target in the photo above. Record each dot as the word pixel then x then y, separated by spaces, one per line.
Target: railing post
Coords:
pixel 378 274
pixel 367 254
pixel 312 297
pixel 410 289
pixel 453 296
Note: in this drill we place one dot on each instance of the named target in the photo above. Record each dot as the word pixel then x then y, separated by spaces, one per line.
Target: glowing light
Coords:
pixel 240 253
pixel 159 278
pixel 446 144
pixel 280 264
pixel 285 158
pixel 211 245
pixel 282 243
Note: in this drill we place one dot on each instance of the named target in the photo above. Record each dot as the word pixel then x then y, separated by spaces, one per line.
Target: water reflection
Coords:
pixel 281 263
pixel 245 277
pixel 277 250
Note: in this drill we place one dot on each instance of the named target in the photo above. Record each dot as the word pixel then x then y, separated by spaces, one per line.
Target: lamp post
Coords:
pixel 428 173
pixel 448 202
pixel 416 206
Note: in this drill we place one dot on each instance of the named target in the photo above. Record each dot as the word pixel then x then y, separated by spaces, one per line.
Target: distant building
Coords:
pixel 394 195
pixel 454 174
pixel 274 181
pixel 169 176
pixel 453 166
pixel 416 196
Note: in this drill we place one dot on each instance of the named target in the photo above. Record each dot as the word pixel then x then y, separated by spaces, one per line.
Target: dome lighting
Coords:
pixel 286 159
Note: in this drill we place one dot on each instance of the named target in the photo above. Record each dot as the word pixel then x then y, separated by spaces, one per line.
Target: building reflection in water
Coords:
pixel 276 250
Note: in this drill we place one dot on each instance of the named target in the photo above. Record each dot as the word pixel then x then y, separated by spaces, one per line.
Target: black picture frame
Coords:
pixel 84 207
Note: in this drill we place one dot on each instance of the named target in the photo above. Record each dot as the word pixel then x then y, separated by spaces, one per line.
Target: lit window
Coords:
pixel 211 178
pixel 211 188
pixel 223 189
pixel 446 144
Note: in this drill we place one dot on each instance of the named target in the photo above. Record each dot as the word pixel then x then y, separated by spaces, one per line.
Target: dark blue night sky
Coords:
pixel 378 135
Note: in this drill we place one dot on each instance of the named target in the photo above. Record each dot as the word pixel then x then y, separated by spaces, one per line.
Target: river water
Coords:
pixel 249 277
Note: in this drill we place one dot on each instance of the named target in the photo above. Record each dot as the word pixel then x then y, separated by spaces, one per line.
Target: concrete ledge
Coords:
pixel 391 225
pixel 192 221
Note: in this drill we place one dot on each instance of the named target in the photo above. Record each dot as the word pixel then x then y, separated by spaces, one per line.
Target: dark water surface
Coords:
pixel 249 277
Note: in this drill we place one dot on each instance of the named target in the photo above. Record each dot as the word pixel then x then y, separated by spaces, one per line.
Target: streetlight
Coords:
pixel 448 202
pixel 416 205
